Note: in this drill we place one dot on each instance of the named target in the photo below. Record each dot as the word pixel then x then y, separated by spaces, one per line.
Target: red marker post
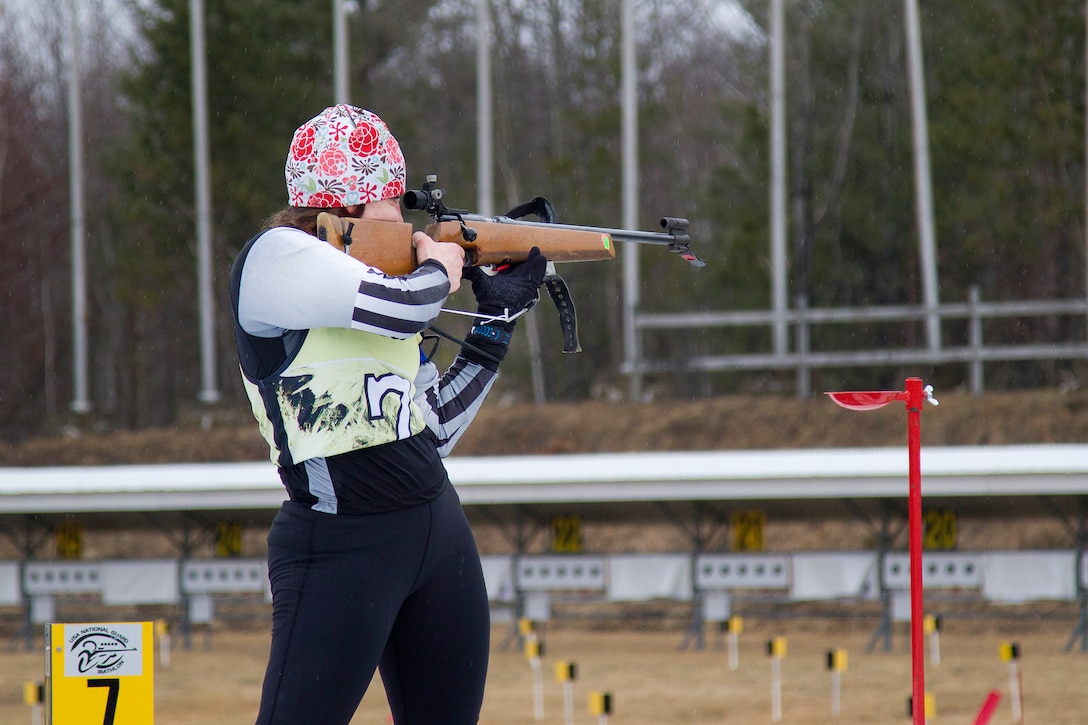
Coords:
pixel 989 707
pixel 913 396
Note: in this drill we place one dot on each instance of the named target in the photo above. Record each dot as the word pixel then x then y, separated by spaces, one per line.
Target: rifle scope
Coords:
pixel 416 200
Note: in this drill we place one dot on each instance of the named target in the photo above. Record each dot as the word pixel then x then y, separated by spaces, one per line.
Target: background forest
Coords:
pixel 1006 107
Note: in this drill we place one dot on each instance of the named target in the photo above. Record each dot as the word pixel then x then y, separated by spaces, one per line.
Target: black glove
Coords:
pixel 514 289
pixel 511 290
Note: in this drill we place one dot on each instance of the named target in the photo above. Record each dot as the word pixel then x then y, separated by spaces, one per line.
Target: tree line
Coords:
pixel 1005 96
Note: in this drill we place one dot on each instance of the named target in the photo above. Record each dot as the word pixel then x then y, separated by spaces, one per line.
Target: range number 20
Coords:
pixel 940 532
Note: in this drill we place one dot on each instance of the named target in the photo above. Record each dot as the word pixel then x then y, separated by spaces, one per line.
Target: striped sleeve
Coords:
pixel 400 306
pixel 450 403
pixel 293 281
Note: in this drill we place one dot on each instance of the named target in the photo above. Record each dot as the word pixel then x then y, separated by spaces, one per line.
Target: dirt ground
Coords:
pixel 651 681
pixel 768 421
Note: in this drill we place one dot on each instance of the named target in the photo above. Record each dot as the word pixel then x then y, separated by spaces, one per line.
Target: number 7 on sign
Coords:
pixel 114 685
pixel 85 659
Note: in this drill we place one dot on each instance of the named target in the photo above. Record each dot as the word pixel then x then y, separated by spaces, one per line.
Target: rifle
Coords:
pixel 496 240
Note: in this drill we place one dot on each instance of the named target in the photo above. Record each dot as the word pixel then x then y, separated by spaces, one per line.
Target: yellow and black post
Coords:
pixel 534 648
pixel 929 708
pixel 733 627
pixel 600 704
pixel 931 625
pixel 776 648
pixel 1010 655
pixel 564 674
pixel 34 697
pixel 836 663
pixel 162 636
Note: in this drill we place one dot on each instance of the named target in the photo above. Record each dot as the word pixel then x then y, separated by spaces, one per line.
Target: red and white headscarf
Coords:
pixel 345 155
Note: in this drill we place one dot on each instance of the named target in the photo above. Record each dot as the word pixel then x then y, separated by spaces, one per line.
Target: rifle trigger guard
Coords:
pixel 568 319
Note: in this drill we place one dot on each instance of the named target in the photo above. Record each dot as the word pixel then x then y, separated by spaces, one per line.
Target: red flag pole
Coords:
pixel 917 647
pixel 914 395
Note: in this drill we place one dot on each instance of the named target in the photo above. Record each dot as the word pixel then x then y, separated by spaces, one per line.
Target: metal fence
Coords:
pixel 804 324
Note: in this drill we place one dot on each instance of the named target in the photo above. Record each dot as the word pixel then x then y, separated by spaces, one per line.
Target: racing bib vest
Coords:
pixel 342 391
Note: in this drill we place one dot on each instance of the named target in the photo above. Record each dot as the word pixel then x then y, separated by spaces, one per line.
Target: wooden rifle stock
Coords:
pixel 388 245
pixel 495 241
pixel 385 245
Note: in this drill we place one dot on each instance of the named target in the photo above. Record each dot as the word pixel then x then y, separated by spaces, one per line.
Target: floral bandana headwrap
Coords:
pixel 344 156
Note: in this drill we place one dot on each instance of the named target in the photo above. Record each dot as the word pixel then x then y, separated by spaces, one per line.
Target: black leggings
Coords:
pixel 403 591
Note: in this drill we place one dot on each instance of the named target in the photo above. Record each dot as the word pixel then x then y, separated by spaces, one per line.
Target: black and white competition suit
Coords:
pixel 372 545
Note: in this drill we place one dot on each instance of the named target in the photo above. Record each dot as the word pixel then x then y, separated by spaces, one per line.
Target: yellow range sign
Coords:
pixel 567 534
pixel 748 529
pixel 100 674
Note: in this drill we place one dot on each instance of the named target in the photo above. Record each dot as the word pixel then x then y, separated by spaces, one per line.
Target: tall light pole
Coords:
pixel 778 177
pixel 629 142
pixel 209 392
pixel 80 399
pixel 485 185
pixel 927 243
pixel 340 9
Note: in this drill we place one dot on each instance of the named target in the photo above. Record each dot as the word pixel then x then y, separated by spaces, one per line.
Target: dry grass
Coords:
pixel 726 423
pixel 652 682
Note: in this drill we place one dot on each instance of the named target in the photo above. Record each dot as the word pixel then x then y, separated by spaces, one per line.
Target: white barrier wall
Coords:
pixel 971 476
pixel 998 576
pixel 130 582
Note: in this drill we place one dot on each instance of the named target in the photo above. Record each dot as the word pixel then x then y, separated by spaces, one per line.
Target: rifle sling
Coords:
pixel 540 207
pixel 568 319
pixel 557 288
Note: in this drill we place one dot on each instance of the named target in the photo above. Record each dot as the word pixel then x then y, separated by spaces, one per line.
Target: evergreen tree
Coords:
pixel 267 71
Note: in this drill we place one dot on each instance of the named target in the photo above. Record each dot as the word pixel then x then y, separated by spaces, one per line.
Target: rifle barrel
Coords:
pixel 622 235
